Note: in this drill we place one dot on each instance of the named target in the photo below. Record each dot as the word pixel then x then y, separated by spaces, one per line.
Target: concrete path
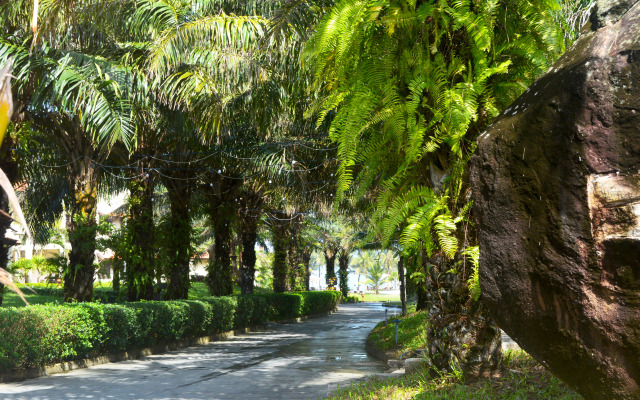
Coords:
pixel 287 361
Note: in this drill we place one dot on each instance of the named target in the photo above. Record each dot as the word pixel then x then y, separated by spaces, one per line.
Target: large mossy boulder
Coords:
pixel 556 183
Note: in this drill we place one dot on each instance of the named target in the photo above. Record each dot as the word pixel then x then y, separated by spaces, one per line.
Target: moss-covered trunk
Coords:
pixel 178 240
pixel 296 268
pixel 82 227
pixel 140 234
pixel 280 232
pixel 117 269
pixel 221 209
pixel 219 271
pixel 249 232
pixel 419 286
pixel 343 267
pixel 305 255
pixel 461 335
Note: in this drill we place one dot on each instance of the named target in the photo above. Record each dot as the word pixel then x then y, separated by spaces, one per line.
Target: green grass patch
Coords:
pixel 13 300
pixel 103 292
pixel 199 290
pixel 372 297
pixel 411 332
pixel 523 379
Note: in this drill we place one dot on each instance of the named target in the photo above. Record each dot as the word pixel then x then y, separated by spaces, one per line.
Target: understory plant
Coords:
pixel 407 87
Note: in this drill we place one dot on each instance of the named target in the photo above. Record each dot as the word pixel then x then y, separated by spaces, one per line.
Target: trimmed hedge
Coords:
pixel 351 299
pixel 298 304
pixel 43 334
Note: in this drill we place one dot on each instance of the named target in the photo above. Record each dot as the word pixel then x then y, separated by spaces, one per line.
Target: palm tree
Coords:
pixel 410 86
pixel 178 174
pixel 81 112
pixel 374 272
pixel 250 206
pixel 264 277
pixel 390 262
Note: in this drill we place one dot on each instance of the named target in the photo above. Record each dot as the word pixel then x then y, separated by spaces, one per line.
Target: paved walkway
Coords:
pixel 287 361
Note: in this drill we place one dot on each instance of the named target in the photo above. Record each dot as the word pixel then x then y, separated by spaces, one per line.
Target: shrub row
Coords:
pixel 297 304
pixel 43 334
pixel 351 299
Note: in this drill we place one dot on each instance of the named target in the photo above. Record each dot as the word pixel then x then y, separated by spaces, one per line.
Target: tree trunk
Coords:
pixel 403 297
pixel 178 243
pixel 421 296
pixel 140 257
pixel 249 232
pixel 460 334
pixel 220 274
pixel 236 256
pixel 330 276
pixel 421 266
pixel 78 278
pixel 306 260
pixel 343 265
pixel 280 246
pixel 296 278
pixel 115 282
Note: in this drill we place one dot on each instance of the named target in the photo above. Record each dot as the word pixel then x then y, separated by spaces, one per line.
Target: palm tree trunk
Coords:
pixel 140 258
pixel 220 274
pixel 305 255
pixel 403 296
pixel 179 241
pixel 294 260
pixel 117 268
pixel 330 259
pixel 343 266
pixel 280 247
pixel 460 334
pixel 236 256
pixel 421 265
pixel 249 233
pixel 78 278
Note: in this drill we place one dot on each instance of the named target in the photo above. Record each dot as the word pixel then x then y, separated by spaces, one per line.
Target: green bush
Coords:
pixel 42 334
pixel 318 302
pixel 252 310
pixel 285 305
pixel 297 304
pixel 350 299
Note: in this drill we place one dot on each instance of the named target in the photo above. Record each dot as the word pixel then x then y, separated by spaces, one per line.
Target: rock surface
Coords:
pixel 556 183
pixel 609 11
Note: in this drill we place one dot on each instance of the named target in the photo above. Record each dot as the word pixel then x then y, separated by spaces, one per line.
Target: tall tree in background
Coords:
pixel 280 240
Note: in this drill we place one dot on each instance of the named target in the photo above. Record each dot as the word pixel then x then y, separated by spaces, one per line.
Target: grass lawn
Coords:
pixel 10 299
pixel 198 290
pixel 372 297
pixel 411 332
pixel 522 377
